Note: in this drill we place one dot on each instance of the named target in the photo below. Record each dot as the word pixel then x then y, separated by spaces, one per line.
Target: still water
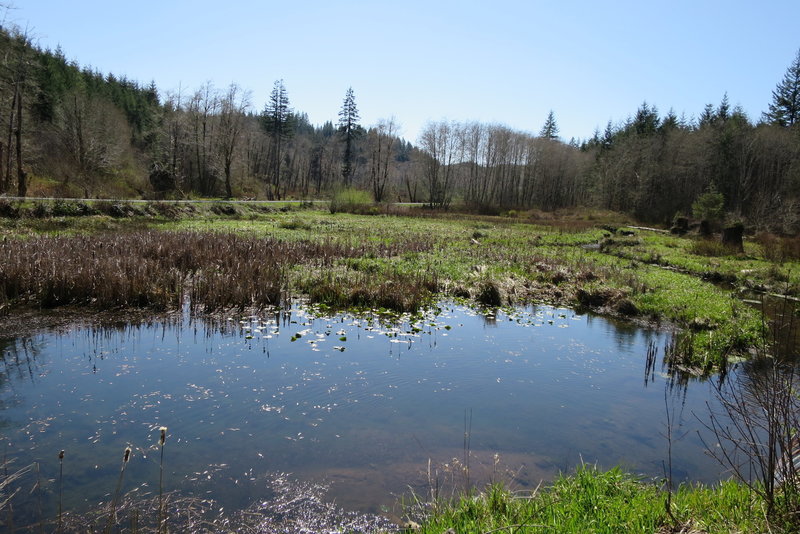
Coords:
pixel 369 407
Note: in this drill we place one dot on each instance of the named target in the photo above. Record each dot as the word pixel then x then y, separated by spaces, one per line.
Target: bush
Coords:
pixel 489 294
pixel 710 206
pixel 41 210
pixel 779 249
pixel 118 210
pixel 295 224
pixel 8 209
pixel 711 248
pixel 351 200
pixel 68 208
pixel 224 209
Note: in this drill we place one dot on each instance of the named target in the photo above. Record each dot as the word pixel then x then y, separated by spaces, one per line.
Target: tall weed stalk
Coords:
pixel 112 519
pixel 60 490
pixel 162 525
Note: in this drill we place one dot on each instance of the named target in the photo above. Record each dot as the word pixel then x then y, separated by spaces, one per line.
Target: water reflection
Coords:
pixel 364 402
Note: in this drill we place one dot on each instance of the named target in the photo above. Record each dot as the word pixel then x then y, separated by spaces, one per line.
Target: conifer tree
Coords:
pixel 785 107
pixel 349 129
pixel 550 128
pixel 277 120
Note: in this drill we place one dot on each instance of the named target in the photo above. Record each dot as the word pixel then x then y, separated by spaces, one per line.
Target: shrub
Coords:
pixel 489 294
pixel 779 249
pixel 118 209
pixel 41 210
pixel 709 247
pixel 710 206
pixel 169 210
pixel 295 224
pixel 351 200
pixel 8 209
pixel 224 209
pixel 67 208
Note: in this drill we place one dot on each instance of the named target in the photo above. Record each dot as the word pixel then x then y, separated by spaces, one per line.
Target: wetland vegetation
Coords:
pixel 211 260
pixel 526 228
pixel 399 261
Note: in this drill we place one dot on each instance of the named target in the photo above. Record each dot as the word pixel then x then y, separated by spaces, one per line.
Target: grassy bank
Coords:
pixel 593 501
pixel 588 501
pixel 243 255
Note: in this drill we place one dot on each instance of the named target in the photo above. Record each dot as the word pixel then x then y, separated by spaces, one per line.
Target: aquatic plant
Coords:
pixel 60 490
pixel 162 526
pixel 112 514
pixel 157 270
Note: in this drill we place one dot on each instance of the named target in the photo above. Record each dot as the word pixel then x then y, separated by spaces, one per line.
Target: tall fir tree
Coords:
pixel 277 121
pixel 785 107
pixel 349 129
pixel 550 128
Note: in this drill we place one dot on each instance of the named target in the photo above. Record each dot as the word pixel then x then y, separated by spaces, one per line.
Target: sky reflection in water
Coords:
pixel 344 399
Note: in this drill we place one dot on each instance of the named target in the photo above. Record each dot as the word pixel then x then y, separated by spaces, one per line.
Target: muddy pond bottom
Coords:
pixel 373 408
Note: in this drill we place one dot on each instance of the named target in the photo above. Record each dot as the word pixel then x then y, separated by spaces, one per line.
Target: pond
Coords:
pixel 370 407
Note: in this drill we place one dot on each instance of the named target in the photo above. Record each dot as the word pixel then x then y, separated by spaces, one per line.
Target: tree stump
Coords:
pixel 732 237
pixel 681 226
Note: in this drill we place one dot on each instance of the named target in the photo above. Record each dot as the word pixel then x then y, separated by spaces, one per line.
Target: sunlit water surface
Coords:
pixel 373 409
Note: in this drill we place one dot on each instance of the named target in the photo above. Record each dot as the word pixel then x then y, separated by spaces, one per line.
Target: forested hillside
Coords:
pixel 68 130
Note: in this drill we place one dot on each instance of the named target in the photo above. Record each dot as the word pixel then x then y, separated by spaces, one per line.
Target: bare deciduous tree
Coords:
pixel 94 136
pixel 232 108
pixel 380 139
pixel 441 143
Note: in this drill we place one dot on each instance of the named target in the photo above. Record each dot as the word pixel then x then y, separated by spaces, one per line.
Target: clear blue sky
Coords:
pixel 495 61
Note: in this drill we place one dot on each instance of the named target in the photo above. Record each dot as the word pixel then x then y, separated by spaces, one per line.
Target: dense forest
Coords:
pixel 67 130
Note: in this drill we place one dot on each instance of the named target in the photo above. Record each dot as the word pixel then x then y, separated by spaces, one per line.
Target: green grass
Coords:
pixel 749 270
pixel 594 501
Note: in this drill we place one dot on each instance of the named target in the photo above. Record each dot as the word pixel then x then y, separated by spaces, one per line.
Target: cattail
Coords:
pixel 162 527
pixel 60 486
pixel 112 515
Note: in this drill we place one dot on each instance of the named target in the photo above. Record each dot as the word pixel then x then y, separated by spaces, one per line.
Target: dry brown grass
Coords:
pixel 159 270
pixel 779 249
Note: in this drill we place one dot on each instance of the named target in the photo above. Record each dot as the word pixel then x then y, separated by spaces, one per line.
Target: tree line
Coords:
pixel 652 166
pixel 67 130
pixel 71 131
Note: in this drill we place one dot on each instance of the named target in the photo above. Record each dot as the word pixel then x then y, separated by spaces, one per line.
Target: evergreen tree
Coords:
pixel 277 116
pixel 550 128
pixel 646 121
pixel 707 117
pixel 670 122
pixel 723 111
pixel 349 129
pixel 277 120
pixel 785 107
pixel 608 136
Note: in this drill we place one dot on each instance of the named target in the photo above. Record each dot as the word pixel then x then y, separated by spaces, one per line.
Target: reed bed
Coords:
pixel 163 270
